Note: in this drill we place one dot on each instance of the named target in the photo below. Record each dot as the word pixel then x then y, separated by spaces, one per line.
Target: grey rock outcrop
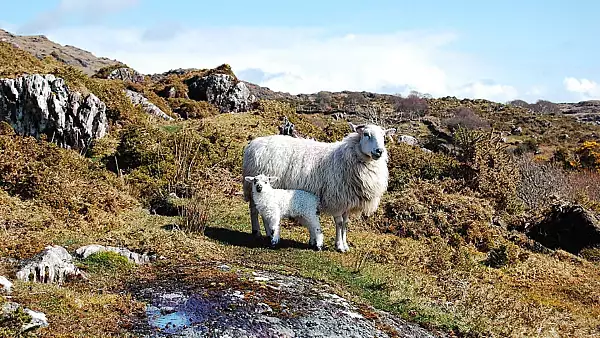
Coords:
pixel 42 104
pixel 134 257
pixel 267 305
pixel 126 74
pixel 53 265
pixel 223 91
pixel 149 107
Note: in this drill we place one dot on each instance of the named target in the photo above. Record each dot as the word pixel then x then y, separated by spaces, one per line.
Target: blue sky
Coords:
pixel 497 50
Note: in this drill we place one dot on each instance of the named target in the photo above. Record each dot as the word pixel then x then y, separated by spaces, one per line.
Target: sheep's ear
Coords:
pixel 272 179
pixel 390 132
pixel 249 178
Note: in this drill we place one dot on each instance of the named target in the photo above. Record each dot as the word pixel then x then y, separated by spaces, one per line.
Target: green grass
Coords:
pixel 107 261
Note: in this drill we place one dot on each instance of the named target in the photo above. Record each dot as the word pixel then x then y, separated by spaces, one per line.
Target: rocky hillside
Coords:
pixel 121 212
pixel 41 47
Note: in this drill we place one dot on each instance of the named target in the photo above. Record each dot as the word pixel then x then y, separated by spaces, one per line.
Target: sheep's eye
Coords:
pixel 366 134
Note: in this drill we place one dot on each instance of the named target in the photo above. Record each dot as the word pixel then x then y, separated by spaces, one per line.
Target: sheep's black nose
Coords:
pixel 378 152
pixel 259 188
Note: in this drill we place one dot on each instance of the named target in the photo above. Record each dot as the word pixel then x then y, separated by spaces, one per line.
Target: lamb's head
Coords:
pixel 260 182
pixel 372 139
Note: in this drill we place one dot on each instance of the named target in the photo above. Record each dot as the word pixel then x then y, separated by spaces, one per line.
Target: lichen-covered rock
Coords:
pixel 42 104
pixel 222 90
pixel 53 265
pixel 126 74
pixel 149 107
pixel 88 250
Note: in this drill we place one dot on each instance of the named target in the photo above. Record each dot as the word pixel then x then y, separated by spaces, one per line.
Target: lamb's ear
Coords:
pixel 390 132
pixel 249 178
pixel 272 179
pixel 356 128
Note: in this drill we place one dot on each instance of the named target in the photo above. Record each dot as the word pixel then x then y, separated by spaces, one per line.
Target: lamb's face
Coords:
pixel 260 182
pixel 372 139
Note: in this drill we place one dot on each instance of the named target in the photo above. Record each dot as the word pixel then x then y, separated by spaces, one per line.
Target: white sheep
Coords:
pixel 275 204
pixel 349 176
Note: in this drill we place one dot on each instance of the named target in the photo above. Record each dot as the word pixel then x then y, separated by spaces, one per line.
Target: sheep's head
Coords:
pixel 260 182
pixel 372 139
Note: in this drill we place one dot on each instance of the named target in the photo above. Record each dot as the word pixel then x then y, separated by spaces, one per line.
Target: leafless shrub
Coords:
pixel 355 98
pixel 466 118
pixel 324 101
pixel 411 106
pixel 545 107
pixel 540 183
pixel 519 103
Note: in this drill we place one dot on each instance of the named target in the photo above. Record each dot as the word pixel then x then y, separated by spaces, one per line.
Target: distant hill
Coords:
pixel 41 46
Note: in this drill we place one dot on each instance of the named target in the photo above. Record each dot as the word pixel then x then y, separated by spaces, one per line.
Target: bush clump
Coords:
pixel 407 163
pixel 428 208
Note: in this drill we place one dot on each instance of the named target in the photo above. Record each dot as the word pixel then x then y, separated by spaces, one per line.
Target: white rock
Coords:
pixel 38 320
pixel 53 265
pixel 6 285
pixel 410 140
pixel 134 257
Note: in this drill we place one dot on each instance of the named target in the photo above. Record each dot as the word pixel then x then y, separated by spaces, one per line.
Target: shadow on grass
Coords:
pixel 245 239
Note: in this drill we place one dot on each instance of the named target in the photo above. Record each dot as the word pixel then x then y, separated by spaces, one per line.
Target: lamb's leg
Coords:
pixel 314 229
pixel 345 231
pixel 316 234
pixel 275 231
pixel 339 234
pixel 254 219
pixel 267 225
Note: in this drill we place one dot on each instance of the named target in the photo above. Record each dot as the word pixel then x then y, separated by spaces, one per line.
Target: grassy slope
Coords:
pixel 62 198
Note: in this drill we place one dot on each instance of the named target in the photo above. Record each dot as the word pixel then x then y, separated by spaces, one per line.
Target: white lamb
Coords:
pixel 275 204
pixel 348 176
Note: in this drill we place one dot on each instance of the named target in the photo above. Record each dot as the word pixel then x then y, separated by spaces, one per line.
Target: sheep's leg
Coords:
pixel 339 233
pixel 254 219
pixel 345 231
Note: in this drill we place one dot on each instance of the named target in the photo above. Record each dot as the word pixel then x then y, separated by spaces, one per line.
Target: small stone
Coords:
pixel 6 285
pixel 38 320
pixel 410 140
pixel 263 308
pixel 224 267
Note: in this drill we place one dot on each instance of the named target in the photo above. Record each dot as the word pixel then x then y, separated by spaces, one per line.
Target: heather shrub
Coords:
pixel 430 208
pixel 61 178
pixel 407 162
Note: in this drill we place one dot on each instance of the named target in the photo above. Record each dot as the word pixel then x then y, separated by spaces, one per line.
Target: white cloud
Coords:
pixel 584 88
pixel 85 11
pixel 301 60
